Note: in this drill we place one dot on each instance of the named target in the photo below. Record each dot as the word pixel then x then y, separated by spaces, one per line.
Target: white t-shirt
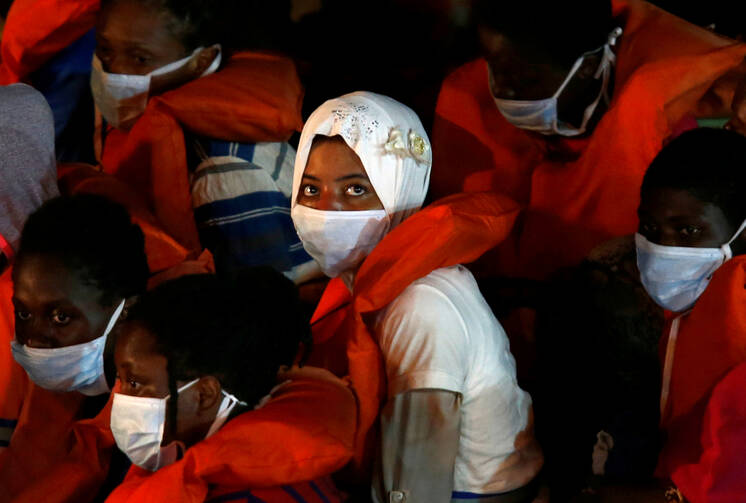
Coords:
pixel 441 334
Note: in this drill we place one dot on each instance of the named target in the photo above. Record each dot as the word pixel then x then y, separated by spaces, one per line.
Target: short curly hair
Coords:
pixel 708 163
pixel 240 330
pixel 94 237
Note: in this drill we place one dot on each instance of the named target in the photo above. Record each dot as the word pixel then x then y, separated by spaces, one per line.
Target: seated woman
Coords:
pixel 455 424
pixel 201 410
pixel 80 262
pixel 199 129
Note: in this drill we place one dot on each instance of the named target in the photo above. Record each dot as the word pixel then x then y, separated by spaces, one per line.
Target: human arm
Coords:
pixel 419 443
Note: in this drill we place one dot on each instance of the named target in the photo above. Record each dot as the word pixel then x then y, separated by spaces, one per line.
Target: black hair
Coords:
pixel 94 237
pixel 556 31
pixel 240 330
pixel 708 163
pixel 235 24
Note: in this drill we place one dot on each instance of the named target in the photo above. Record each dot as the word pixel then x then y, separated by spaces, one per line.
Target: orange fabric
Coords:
pixel 44 443
pixel 13 380
pixel 453 231
pixel 163 252
pixel 578 192
pixel 36 30
pixel 719 474
pixel 711 342
pixel 254 98
pixel 304 432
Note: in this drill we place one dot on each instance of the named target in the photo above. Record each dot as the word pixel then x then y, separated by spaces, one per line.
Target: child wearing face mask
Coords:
pixel 565 111
pixel 201 410
pixel 403 318
pixel 80 261
pixel 690 247
pixel 199 127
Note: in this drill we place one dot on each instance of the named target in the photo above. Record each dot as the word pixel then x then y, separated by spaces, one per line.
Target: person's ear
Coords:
pixel 210 393
pixel 203 60
pixel 128 303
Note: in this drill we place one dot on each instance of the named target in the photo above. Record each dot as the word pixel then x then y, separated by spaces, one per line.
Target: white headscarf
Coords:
pixel 390 141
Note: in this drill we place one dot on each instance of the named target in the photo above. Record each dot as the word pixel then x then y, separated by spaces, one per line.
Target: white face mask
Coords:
pixel 675 276
pixel 72 368
pixel 541 115
pixel 122 98
pixel 339 240
pixel 138 423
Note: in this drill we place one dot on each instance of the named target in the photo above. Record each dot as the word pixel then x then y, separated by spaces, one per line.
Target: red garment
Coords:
pixel 36 30
pixel 719 475
pixel 453 231
pixel 578 192
pixel 304 432
pixel 711 342
pixel 13 380
pixel 254 98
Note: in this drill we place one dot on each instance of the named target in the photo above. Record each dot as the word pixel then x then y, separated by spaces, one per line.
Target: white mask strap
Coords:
pixel 114 318
pixel 179 390
pixel 726 247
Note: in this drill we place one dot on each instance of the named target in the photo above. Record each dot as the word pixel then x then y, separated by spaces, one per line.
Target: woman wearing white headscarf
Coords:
pixel 455 424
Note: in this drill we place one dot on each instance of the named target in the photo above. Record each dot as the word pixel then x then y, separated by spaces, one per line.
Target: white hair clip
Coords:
pixel 416 147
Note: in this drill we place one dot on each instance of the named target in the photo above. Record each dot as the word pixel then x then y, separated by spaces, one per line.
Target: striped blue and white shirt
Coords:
pixel 241 198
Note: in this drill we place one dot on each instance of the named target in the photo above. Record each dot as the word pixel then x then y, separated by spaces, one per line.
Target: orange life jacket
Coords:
pixel 305 432
pixel 255 98
pixel 13 380
pixel 36 30
pixel 578 192
pixel 711 342
pixel 453 231
pixel 718 475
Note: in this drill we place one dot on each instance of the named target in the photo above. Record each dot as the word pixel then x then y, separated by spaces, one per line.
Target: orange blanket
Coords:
pixel 710 343
pixel 254 98
pixel 578 192
pixel 453 231
pixel 36 30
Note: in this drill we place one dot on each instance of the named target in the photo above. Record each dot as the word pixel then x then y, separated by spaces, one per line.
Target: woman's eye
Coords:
pixel 23 315
pixel 142 60
pixel 355 190
pixel 689 231
pixel 132 383
pixel 310 190
pixel 60 318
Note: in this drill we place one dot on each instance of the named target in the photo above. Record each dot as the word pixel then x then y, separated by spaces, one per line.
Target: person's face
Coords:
pixel 335 179
pixel 134 39
pixel 515 74
pixel 521 73
pixel 143 372
pixel 55 307
pixel 674 217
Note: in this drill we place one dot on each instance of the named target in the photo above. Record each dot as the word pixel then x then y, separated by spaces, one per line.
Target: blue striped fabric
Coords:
pixel 319 492
pixel 242 209
pixel 294 494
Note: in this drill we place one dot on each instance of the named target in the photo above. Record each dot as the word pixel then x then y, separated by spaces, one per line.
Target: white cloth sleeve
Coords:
pixel 424 342
pixel 419 443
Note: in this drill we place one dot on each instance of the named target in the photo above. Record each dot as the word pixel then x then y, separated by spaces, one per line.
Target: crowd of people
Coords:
pixel 224 278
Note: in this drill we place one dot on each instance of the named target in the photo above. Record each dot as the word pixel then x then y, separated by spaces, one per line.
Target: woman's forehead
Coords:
pixel 44 279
